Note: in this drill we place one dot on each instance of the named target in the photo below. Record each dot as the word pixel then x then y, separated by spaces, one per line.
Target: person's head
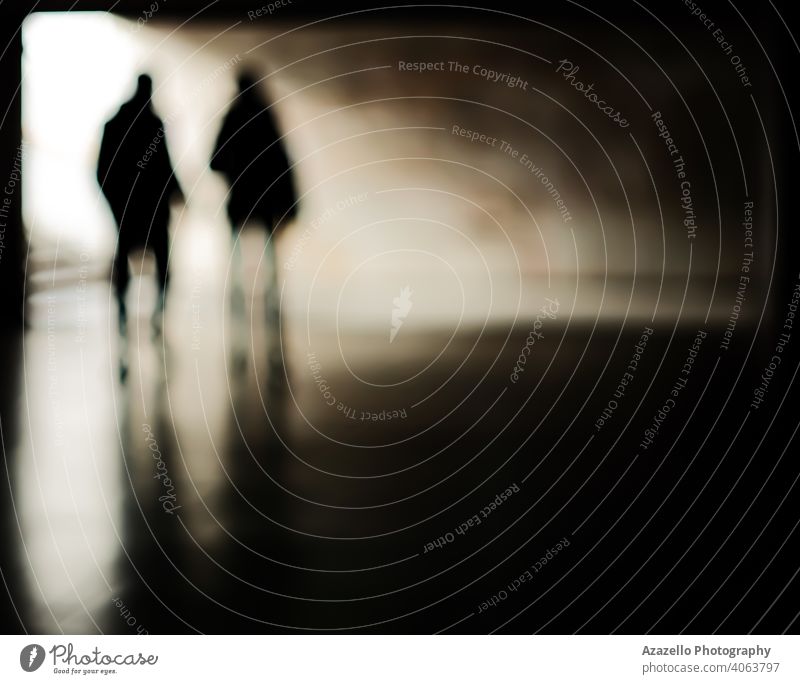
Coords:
pixel 247 82
pixel 144 87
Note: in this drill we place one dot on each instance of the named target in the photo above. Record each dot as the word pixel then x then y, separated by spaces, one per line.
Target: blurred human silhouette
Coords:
pixel 250 154
pixel 137 179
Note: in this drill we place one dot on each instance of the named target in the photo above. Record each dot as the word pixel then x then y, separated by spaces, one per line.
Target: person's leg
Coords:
pixel 272 294
pixel 160 246
pixel 272 315
pixel 270 266
pixel 120 277
pixel 239 333
pixel 237 275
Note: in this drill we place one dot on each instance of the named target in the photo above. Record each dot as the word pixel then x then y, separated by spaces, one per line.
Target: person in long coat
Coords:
pixel 136 176
pixel 249 152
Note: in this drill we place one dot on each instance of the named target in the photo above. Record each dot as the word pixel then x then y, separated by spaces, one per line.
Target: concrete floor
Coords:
pixel 283 512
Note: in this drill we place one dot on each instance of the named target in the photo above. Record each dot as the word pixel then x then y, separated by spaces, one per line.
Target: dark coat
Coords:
pixel 250 154
pixel 135 173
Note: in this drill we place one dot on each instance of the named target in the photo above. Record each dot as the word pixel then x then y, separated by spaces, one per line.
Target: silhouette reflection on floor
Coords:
pixel 209 495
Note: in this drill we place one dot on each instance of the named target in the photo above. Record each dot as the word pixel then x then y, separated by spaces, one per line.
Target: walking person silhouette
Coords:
pixel 250 154
pixel 138 181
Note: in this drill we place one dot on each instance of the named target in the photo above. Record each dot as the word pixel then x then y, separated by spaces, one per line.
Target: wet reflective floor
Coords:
pixel 243 480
